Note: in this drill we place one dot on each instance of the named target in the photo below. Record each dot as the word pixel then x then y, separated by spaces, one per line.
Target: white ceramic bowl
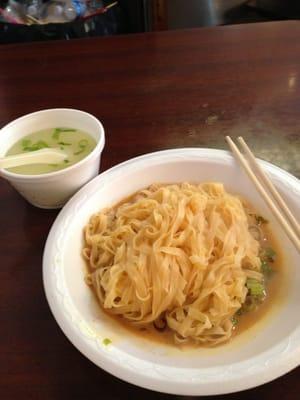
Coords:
pixel 52 190
pixel 264 352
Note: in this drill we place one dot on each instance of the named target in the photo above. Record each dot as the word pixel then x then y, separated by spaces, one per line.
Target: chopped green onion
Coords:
pixel 78 152
pixel 56 134
pixel 36 146
pixel 66 161
pixel 65 143
pixel 58 131
pixel 82 146
pixel 106 341
pixel 42 144
pixel 83 143
pixel 265 268
pixel 268 254
pixel 26 142
pixel 260 220
pixel 234 321
pixel 256 295
pixel 255 287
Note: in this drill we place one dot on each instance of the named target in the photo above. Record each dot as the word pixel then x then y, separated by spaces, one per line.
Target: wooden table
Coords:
pixel 152 91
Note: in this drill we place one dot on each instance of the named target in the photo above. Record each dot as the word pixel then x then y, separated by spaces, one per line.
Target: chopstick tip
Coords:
pixel 228 139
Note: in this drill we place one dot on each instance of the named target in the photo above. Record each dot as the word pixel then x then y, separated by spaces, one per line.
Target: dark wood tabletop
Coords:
pixel 151 91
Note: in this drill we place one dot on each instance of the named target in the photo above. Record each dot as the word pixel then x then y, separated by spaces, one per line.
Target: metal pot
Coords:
pixel 283 8
pixel 193 13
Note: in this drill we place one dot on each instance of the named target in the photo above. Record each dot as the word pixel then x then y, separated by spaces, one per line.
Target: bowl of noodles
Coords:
pixel 169 272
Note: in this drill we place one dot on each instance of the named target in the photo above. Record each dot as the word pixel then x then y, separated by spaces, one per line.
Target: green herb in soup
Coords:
pixel 76 143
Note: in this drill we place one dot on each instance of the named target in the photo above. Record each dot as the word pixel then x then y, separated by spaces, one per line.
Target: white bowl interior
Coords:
pixel 79 315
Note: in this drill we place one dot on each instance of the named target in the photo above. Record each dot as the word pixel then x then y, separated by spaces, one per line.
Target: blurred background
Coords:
pixel 35 20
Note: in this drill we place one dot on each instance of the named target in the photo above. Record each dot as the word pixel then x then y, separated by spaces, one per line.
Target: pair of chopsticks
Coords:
pixel 280 210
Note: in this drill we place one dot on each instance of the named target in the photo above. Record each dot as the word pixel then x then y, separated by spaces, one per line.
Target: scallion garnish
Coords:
pixel 106 341
pixel 268 254
pixel 64 143
pixel 83 143
pixel 56 134
pixel 26 142
pixel 78 152
pixel 58 131
pixel 36 146
pixel 255 287
pixel 265 268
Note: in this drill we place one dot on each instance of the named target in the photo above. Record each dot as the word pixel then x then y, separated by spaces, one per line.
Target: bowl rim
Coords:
pixel 12 176
pixel 287 358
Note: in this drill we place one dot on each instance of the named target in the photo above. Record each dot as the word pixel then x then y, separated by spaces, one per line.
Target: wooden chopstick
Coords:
pixel 269 185
pixel 285 225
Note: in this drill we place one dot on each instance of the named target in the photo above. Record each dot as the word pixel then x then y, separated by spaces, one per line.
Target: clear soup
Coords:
pixel 76 143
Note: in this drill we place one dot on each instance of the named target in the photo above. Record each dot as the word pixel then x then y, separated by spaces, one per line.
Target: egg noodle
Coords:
pixel 176 254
